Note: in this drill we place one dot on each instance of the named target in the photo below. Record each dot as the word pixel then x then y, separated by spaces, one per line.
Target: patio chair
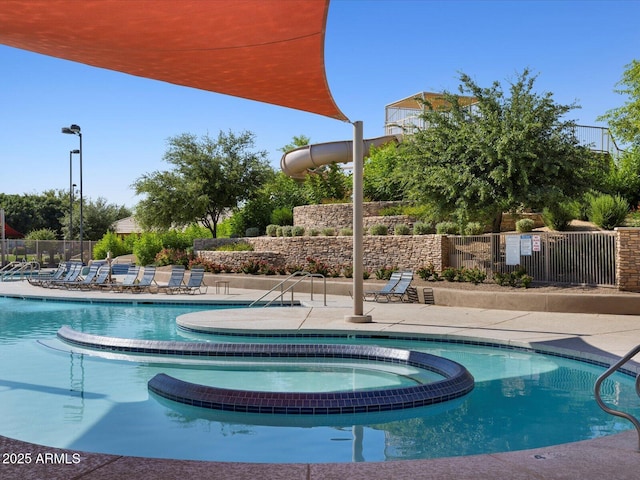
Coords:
pixel 89 278
pixel 146 284
pixel 57 274
pixel 399 293
pixel 176 281
pixel 100 281
pixel 196 282
pixel 72 275
pixel 129 279
pixel 372 295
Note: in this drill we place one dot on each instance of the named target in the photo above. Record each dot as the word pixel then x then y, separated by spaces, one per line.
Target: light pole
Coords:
pixel 71 185
pixel 75 130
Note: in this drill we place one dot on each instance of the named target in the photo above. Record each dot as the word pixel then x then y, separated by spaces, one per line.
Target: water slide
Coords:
pixel 297 162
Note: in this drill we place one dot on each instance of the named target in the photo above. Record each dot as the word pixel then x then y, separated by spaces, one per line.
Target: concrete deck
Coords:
pixel 601 336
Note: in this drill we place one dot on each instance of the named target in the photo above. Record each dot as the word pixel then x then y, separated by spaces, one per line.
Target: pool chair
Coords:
pixel 196 282
pixel 146 284
pixel 372 295
pixel 72 275
pixel 399 292
pixel 176 281
pixel 88 279
pixel 100 280
pixel 129 279
pixel 57 274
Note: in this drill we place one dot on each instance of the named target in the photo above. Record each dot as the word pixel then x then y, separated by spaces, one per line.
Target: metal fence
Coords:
pixel 48 253
pixel 582 258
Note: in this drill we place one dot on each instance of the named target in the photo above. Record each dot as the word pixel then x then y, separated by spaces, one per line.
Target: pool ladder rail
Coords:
pixel 17 270
pixel 609 372
pixel 290 288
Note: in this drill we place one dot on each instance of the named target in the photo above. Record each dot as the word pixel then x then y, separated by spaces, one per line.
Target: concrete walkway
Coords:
pixel 599 336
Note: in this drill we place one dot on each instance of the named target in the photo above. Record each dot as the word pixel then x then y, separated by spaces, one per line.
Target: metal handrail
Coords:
pixel 290 288
pixel 606 374
pixel 11 269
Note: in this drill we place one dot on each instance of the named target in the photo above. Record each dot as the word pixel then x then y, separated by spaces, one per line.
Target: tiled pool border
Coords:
pixel 457 380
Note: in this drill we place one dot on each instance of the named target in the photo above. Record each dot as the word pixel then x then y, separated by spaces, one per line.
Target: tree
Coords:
pixel 381 181
pixel 296 141
pixel 99 216
pixel 209 178
pixel 625 121
pixel 31 212
pixel 500 154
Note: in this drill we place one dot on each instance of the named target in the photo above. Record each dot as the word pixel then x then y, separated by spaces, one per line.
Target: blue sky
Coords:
pixel 376 52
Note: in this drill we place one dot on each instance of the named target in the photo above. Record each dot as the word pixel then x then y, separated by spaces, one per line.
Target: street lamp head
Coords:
pixel 75 151
pixel 71 130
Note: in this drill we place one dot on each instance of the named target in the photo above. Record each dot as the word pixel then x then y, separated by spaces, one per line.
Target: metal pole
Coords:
pixel 81 215
pixel 2 236
pixel 70 195
pixel 358 269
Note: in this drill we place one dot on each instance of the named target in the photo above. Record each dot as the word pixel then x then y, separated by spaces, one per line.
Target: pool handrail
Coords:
pixel 607 373
pixel 299 273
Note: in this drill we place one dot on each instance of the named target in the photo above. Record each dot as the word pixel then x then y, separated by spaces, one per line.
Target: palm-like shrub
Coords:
pixel 608 211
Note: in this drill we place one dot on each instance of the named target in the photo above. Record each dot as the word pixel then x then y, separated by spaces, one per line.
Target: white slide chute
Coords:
pixel 297 162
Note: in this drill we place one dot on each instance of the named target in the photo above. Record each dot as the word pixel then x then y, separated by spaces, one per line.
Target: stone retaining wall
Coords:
pixel 335 215
pixel 404 251
pixel 627 259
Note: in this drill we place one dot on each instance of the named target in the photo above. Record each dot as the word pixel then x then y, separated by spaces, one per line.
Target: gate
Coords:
pixel 582 258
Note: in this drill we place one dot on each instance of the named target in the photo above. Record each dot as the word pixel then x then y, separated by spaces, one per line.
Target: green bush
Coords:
pixel 524 225
pixel 391 211
pixel 423 228
pixel 608 211
pixel 346 232
pixel 402 229
pixel 282 216
pixel 378 229
pixel 384 273
pixel 272 230
pixel 474 228
pixel 428 273
pixel 473 275
pixel 517 278
pixel 559 217
pixel 328 232
pixel 314 232
pixel 297 231
pixel 252 232
pixel 147 247
pixel 110 242
pixel 447 228
pixel 41 234
pixel 287 231
pixel 171 256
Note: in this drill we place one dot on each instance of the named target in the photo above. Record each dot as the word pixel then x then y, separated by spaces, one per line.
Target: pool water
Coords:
pixel 86 401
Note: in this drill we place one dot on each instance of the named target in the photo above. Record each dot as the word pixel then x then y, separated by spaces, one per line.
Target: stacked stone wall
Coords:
pixel 335 215
pixel 627 259
pixel 402 251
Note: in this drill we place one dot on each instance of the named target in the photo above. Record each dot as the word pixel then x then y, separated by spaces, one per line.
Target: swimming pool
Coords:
pixel 101 403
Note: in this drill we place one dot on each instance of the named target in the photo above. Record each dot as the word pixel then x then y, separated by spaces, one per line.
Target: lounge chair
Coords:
pixel 196 282
pixel 57 274
pixel 89 278
pixel 72 275
pixel 100 281
pixel 176 281
pixel 372 295
pixel 129 279
pixel 147 282
pixel 400 290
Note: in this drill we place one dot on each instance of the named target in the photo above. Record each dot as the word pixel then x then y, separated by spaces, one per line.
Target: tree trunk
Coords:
pixel 496 223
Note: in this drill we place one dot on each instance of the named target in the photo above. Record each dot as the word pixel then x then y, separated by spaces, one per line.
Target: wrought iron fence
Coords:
pixel 582 258
pixel 48 253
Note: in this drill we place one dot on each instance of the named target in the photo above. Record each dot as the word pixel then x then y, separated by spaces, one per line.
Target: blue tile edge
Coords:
pixel 456 383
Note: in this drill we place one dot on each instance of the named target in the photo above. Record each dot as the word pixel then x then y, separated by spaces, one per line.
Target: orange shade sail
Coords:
pixel 270 51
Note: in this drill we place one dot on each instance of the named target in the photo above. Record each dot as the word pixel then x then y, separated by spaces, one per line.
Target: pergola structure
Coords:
pixel 271 51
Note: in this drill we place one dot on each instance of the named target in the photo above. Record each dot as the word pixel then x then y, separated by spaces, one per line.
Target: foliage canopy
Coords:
pixel 505 152
pixel 209 177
